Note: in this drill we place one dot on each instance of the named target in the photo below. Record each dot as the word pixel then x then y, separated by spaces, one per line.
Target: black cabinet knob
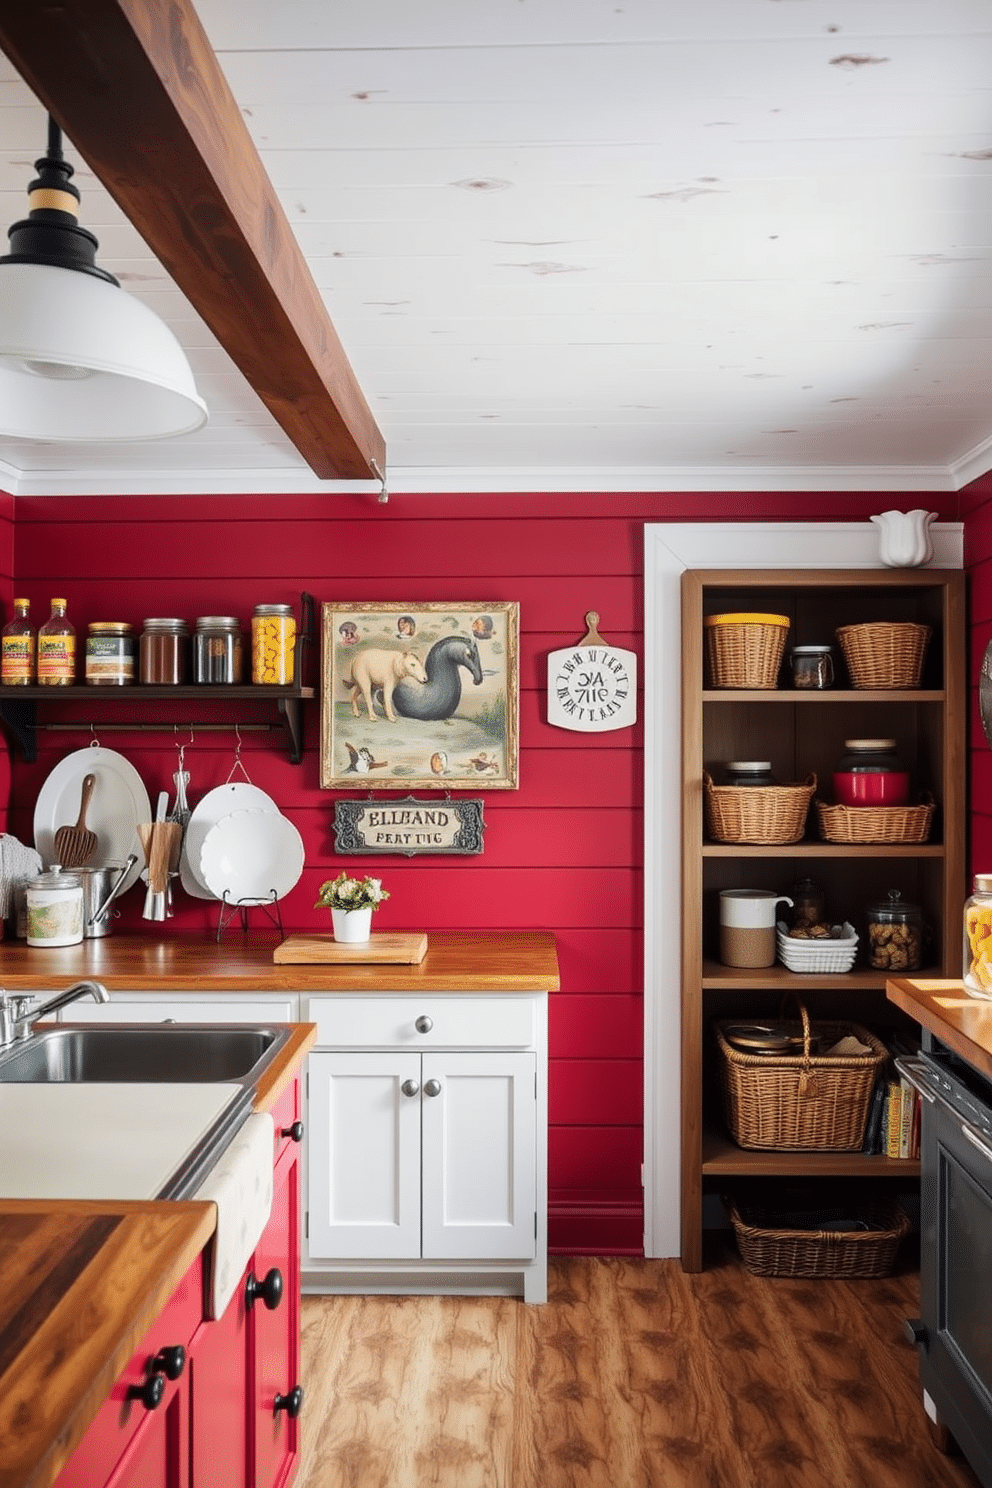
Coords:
pixel 170 1361
pixel 269 1289
pixel 292 1403
pixel 295 1131
pixel 149 1392
pixel 917 1332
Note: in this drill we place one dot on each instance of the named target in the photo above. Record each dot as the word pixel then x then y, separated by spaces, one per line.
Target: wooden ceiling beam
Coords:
pixel 137 88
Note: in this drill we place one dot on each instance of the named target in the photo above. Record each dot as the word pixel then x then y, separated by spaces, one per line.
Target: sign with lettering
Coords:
pixel 408 826
pixel 592 687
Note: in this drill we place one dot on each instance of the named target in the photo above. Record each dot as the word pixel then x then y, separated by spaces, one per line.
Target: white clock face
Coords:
pixel 592 688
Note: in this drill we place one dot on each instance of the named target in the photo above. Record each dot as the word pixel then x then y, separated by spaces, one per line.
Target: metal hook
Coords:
pixel 383 493
pixel 238 765
pixel 94 741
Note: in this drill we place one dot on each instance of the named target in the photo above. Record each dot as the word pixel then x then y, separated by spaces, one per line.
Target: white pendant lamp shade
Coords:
pixel 82 360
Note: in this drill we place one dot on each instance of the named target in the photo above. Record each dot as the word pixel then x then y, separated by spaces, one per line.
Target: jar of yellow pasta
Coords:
pixel 273 641
pixel 978 938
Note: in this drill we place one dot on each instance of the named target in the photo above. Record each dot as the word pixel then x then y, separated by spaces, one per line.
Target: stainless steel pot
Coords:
pixel 100 888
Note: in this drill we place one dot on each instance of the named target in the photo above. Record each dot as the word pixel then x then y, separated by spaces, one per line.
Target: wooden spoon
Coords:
pixel 74 846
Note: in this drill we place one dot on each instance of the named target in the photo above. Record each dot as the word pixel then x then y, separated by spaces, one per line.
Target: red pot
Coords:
pixel 871 787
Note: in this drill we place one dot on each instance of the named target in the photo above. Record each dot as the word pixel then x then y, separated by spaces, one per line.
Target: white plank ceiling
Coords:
pixel 598 244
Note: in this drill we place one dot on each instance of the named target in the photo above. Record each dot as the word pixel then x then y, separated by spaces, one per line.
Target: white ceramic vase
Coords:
pixel 352 925
pixel 904 538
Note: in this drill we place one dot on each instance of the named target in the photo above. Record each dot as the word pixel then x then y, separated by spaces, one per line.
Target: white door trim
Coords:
pixel 669 549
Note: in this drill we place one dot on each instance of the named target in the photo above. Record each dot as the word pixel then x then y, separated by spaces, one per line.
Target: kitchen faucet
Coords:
pixel 18 1015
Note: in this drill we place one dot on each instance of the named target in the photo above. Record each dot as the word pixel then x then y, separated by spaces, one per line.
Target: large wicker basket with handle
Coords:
pixel 800 1102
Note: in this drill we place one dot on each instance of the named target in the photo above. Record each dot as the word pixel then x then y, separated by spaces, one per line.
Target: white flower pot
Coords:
pixel 352 925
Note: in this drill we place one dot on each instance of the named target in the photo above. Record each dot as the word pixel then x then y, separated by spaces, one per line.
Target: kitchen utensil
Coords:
pixel 252 855
pixel 180 812
pixel 74 846
pixel 119 802
pixel 217 803
pixel 100 888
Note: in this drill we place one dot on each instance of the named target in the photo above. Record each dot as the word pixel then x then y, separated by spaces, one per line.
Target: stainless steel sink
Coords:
pixel 157 1053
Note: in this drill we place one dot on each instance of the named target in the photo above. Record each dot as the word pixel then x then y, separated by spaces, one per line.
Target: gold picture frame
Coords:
pixel 419 696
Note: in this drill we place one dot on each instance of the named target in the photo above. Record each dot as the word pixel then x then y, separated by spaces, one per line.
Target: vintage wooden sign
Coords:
pixel 592 687
pixel 408 826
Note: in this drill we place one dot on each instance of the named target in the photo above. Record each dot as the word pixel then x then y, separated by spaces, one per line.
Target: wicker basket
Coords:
pixel 874 823
pixel 757 813
pixel 787 1243
pixel 884 655
pixel 800 1102
pixel 745 650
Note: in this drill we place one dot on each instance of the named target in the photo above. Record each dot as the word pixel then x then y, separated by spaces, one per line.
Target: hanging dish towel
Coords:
pixel 240 1184
pixel 17 864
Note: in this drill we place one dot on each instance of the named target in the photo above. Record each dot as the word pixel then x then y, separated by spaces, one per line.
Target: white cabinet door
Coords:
pixel 363 1156
pixel 479 1155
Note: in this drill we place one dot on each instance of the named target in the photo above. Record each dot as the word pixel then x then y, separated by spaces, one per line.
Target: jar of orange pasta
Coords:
pixel 978 938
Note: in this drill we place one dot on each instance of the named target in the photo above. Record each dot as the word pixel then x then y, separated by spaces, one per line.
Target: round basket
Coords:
pixel 874 823
pixel 884 655
pixel 757 813
pixel 745 650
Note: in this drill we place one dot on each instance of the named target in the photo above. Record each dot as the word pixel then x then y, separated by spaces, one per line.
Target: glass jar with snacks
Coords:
pixel 808 904
pixel 977 975
pixel 164 658
pixel 17 643
pixel 273 641
pixel 110 654
pixel 217 649
pixel 895 934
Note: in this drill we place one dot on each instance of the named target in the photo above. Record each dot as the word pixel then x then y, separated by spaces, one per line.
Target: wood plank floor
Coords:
pixel 634 1375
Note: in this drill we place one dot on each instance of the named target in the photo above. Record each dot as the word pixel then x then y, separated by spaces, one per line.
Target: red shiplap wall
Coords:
pixel 976 512
pixel 564 852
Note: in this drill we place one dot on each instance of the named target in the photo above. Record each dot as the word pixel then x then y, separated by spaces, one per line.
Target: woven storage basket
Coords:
pixel 757 813
pixel 874 823
pixel 745 650
pixel 800 1102
pixel 788 1244
pixel 884 655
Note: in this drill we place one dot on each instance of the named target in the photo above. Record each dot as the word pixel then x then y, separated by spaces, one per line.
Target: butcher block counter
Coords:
pixel 456 961
pixel 946 1010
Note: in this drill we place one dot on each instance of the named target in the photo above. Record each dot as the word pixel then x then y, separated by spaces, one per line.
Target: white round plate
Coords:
pixel 252 855
pixel 217 803
pixel 119 801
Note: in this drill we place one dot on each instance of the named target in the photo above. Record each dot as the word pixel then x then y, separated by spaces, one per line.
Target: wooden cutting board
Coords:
pixel 405 950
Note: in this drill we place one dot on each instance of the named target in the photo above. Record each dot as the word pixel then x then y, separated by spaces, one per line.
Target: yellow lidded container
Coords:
pixel 273 644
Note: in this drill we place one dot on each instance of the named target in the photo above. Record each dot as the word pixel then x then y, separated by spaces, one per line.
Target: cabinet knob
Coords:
pixel 170 1361
pixel 295 1131
pixel 269 1289
pixel 292 1403
pixel 410 1087
pixel 149 1392
pixel 917 1332
pixel 432 1087
pixel 424 1024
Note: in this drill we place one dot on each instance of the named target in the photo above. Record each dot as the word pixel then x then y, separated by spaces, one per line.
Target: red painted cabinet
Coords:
pixel 228 1417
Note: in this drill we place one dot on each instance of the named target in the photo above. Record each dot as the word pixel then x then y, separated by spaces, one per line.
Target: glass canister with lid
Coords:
pixel 54 908
pixel 110 654
pixel 273 643
pixel 977 968
pixel 217 653
pixel 748 772
pixel 895 934
pixel 870 773
pixel 164 651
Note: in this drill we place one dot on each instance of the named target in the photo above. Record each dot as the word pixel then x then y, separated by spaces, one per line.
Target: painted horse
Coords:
pixel 440 695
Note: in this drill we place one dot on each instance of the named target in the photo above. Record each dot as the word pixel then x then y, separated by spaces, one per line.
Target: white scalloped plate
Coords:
pixel 216 804
pixel 252 855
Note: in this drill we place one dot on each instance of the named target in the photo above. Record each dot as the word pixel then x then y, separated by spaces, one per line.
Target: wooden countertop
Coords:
pixel 961 1022
pixel 456 961
pixel 114 1265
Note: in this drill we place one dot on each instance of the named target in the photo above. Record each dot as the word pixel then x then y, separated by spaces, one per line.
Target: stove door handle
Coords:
pixel 909 1068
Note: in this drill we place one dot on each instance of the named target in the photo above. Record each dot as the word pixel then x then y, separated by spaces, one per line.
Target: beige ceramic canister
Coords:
pixel 747 926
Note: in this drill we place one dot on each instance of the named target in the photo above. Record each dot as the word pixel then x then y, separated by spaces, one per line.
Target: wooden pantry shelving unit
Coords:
pixel 803 731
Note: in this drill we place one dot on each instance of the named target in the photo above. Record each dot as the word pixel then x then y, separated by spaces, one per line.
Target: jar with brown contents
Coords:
pixel 164 651
pixel 895 935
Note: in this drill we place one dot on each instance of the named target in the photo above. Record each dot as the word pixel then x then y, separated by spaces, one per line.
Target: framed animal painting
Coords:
pixel 422 696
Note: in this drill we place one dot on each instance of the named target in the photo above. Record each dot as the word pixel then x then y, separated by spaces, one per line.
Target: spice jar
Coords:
pixel 812 666
pixel 273 641
pixel 217 649
pixel 110 654
pixel 895 934
pixel 55 909
pixel 164 658
pixel 808 904
pixel 977 975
